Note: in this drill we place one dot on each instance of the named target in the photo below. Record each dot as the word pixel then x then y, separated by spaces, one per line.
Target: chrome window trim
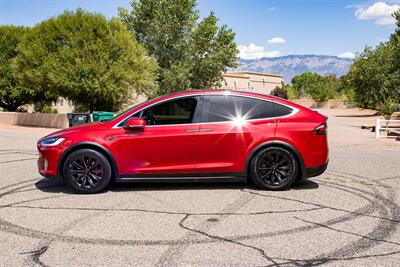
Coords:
pixel 294 110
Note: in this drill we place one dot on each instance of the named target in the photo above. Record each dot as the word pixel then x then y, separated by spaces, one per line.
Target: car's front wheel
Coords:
pixel 274 168
pixel 87 171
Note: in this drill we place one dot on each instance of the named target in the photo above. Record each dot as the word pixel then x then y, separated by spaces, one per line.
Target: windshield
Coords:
pixel 125 111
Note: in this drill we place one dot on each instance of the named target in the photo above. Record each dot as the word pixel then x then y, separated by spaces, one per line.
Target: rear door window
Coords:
pixel 225 108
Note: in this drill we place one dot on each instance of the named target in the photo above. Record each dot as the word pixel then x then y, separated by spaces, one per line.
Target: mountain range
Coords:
pixel 291 65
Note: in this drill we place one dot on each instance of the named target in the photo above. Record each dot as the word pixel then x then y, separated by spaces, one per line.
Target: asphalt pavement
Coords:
pixel 350 215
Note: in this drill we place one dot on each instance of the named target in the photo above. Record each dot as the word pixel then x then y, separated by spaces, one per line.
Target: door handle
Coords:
pixel 206 130
pixel 199 130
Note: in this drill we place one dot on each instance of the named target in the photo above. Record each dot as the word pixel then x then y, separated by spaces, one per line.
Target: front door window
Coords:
pixel 180 111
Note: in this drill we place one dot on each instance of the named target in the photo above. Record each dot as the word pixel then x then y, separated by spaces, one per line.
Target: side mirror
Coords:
pixel 135 123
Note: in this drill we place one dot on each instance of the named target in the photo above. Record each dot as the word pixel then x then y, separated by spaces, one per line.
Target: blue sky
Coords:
pixel 263 27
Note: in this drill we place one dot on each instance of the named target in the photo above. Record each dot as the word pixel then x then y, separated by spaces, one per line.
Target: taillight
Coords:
pixel 321 129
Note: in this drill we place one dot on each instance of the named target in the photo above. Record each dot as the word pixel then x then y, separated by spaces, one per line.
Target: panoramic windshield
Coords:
pixel 125 111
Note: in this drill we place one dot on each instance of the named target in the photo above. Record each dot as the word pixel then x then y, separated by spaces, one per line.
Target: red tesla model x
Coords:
pixel 193 135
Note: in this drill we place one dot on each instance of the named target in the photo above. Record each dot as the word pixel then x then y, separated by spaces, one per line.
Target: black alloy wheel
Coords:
pixel 87 171
pixel 274 168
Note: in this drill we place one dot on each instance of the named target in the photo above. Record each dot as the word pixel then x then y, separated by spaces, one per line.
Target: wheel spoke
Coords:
pixel 272 178
pixel 270 158
pixel 282 161
pixel 266 175
pixel 82 182
pixel 77 164
pixel 96 164
pixel 264 160
pixel 278 177
pixel 91 182
pixel 284 168
pixel 77 177
pixel 76 171
pixel 95 177
pixel 82 158
pixel 281 175
pixel 89 161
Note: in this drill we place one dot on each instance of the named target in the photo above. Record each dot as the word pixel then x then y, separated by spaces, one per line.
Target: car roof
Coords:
pixel 231 92
pixel 209 92
pixel 217 92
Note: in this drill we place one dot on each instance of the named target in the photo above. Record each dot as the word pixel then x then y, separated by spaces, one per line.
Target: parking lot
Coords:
pixel 350 215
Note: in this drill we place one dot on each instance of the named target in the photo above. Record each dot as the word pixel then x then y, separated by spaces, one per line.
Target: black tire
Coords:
pixel 274 168
pixel 87 171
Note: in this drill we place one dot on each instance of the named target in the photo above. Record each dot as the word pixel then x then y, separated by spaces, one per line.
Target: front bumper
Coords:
pixel 48 159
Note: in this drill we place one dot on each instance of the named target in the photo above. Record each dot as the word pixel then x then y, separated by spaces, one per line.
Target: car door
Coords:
pixel 230 128
pixel 167 145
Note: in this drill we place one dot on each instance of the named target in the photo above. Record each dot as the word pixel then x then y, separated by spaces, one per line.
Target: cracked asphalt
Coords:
pixel 350 215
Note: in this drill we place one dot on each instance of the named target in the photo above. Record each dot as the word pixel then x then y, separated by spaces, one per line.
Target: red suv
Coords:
pixel 193 135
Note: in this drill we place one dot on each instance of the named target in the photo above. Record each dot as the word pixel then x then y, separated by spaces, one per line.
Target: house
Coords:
pixel 257 82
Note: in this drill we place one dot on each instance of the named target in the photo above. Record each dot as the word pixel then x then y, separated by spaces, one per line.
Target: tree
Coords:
pixel 212 49
pixel 291 93
pixel 372 76
pixel 375 74
pixel 280 92
pixel 81 56
pixel 345 91
pixel 314 85
pixel 191 55
pixel 12 93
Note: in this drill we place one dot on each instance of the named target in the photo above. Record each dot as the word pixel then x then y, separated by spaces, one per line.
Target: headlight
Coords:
pixel 52 141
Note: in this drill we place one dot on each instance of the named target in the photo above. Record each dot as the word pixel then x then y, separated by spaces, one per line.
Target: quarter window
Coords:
pixel 281 110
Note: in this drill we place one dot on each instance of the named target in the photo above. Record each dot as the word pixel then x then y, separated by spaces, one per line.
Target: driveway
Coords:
pixel 350 215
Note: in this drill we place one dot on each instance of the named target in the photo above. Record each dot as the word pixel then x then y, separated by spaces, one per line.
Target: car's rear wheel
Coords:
pixel 274 168
pixel 87 171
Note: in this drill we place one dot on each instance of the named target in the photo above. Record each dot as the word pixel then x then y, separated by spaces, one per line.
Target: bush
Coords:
pixel 387 108
pixel 280 92
pixel 44 107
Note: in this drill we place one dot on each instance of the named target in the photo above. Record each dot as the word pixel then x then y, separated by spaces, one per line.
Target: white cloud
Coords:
pixel 252 51
pixel 380 12
pixel 271 8
pixel 277 40
pixel 347 54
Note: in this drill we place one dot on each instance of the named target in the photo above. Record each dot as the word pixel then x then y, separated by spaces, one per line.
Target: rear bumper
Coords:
pixel 50 177
pixel 315 171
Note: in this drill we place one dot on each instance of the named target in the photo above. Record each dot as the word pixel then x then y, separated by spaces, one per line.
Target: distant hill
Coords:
pixel 291 65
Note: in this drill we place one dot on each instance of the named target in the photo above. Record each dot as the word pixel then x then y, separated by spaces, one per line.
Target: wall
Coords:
pixel 34 119
pixel 330 104
pixel 235 82
pixel 262 83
